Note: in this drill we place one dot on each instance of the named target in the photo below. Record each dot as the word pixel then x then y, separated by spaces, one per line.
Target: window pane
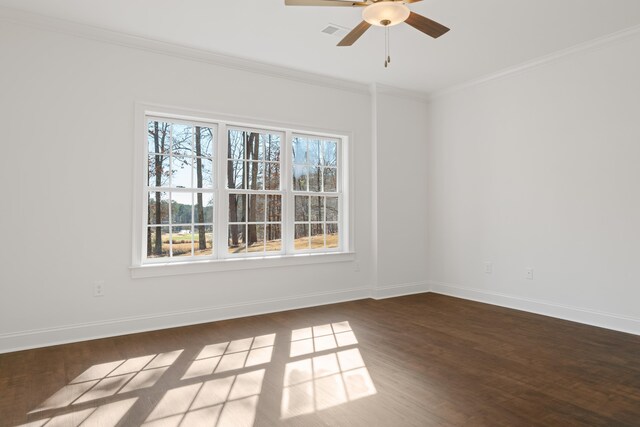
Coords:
pixel 255 238
pixel 315 179
pixel 203 173
pixel 274 238
pixel 157 242
pixel 272 148
pixel 317 236
pixel 252 145
pixel 182 140
pixel 314 152
pixel 236 238
pixel 237 208
pixel 274 208
pixel 235 145
pixel 181 208
pixel 203 240
pixel 158 208
pixel 255 175
pixel 261 147
pixel 332 208
pixel 181 172
pixel 300 178
pixel 182 241
pixel 330 179
pixel 203 141
pixel 158 175
pixel 330 153
pixel 272 176
pixel 299 150
pixel 235 174
pixel 158 137
pixel 203 207
pixel 256 208
pixel 332 235
pixel 302 208
pixel 301 236
pixel 317 209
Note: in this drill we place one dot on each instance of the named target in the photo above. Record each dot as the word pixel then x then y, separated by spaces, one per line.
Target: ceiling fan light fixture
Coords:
pixel 386 13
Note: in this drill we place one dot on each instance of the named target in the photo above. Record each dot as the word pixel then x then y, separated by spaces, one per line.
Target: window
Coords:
pixel 255 196
pixel 180 189
pixel 315 179
pixel 216 189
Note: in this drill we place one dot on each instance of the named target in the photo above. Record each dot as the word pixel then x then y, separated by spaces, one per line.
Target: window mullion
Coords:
pixel 288 212
pixel 144 219
pixel 170 193
pixel 344 226
pixel 222 216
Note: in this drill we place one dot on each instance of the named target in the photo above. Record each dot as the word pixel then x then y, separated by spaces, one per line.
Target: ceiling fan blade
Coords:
pixel 355 34
pixel 324 3
pixel 412 1
pixel 426 25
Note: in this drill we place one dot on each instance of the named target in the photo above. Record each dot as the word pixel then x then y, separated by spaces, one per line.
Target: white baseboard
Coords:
pixel 24 340
pixel 87 331
pixel 589 317
pixel 392 291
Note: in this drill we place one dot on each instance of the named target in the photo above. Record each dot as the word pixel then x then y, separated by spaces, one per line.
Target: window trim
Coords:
pixel 231 264
pixel 142 267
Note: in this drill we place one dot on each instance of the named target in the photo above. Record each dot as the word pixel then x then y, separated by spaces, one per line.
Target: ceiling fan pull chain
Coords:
pixel 386 47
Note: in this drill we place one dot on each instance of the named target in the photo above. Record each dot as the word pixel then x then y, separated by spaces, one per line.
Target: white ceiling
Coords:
pixel 486 35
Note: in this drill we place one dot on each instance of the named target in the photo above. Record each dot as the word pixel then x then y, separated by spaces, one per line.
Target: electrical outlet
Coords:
pixel 488 267
pixel 98 288
pixel 529 273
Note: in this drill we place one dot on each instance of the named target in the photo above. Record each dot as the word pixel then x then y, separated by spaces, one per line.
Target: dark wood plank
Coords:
pixel 354 34
pixel 433 360
pixel 426 25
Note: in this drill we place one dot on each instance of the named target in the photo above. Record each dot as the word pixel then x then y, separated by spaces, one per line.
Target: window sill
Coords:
pixel 195 267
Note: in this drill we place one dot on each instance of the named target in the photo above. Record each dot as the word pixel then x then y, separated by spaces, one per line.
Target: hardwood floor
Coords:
pixel 412 361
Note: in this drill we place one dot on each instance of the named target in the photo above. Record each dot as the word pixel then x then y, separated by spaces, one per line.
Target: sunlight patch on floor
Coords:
pixel 315 383
pixel 225 402
pixel 220 387
pixel 229 356
pixel 108 415
pixel 319 338
pixel 106 379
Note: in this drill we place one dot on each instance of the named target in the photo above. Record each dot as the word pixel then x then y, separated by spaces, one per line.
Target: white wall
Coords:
pixel 541 169
pixel 537 169
pixel 400 174
pixel 67 111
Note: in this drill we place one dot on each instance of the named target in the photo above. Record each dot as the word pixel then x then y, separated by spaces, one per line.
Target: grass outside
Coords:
pixel 316 242
pixel 181 245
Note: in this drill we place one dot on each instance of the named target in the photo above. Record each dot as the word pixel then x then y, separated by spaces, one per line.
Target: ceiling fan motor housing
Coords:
pixel 386 13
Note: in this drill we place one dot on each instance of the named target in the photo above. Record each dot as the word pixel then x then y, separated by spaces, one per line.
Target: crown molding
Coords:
pixel 117 38
pixel 538 62
pixel 161 47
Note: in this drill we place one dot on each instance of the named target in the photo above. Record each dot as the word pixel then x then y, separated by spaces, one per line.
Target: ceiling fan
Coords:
pixel 382 13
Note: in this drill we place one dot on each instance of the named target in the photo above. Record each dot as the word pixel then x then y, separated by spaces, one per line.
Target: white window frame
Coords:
pixel 221 260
